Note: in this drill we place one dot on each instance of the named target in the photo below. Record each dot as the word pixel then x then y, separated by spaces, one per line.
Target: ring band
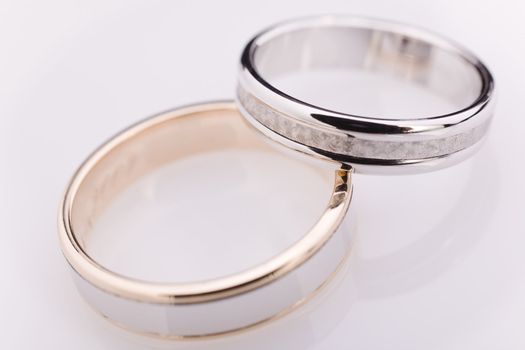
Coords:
pixel 368 143
pixel 211 307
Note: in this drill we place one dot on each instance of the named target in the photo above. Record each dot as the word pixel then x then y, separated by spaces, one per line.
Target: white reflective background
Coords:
pixel 438 260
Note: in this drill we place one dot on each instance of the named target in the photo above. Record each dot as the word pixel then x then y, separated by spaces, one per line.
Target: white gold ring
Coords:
pixel 369 143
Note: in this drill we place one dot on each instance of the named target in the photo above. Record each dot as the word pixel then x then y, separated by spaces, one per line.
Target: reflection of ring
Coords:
pixel 366 142
pixel 203 308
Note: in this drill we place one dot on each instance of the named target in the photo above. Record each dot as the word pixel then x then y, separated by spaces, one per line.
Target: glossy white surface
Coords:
pixel 160 229
pixel 438 261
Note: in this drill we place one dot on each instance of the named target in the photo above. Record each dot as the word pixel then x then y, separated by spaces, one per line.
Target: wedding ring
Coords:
pixel 211 307
pixel 370 143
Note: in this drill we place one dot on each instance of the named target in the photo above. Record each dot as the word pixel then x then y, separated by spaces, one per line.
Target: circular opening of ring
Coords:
pixel 341 65
pixel 194 198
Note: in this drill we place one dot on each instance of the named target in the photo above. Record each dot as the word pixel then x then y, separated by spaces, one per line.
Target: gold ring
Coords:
pixel 210 307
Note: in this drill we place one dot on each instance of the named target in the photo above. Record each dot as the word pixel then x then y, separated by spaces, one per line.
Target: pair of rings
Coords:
pixel 368 144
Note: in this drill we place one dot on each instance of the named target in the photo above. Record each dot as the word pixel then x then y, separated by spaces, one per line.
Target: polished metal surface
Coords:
pixel 233 302
pixel 370 143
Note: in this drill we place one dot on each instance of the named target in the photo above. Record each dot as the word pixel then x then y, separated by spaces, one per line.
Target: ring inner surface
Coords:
pixel 344 53
pixel 141 150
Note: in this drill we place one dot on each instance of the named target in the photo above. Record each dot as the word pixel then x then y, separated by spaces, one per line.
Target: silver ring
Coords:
pixel 369 143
